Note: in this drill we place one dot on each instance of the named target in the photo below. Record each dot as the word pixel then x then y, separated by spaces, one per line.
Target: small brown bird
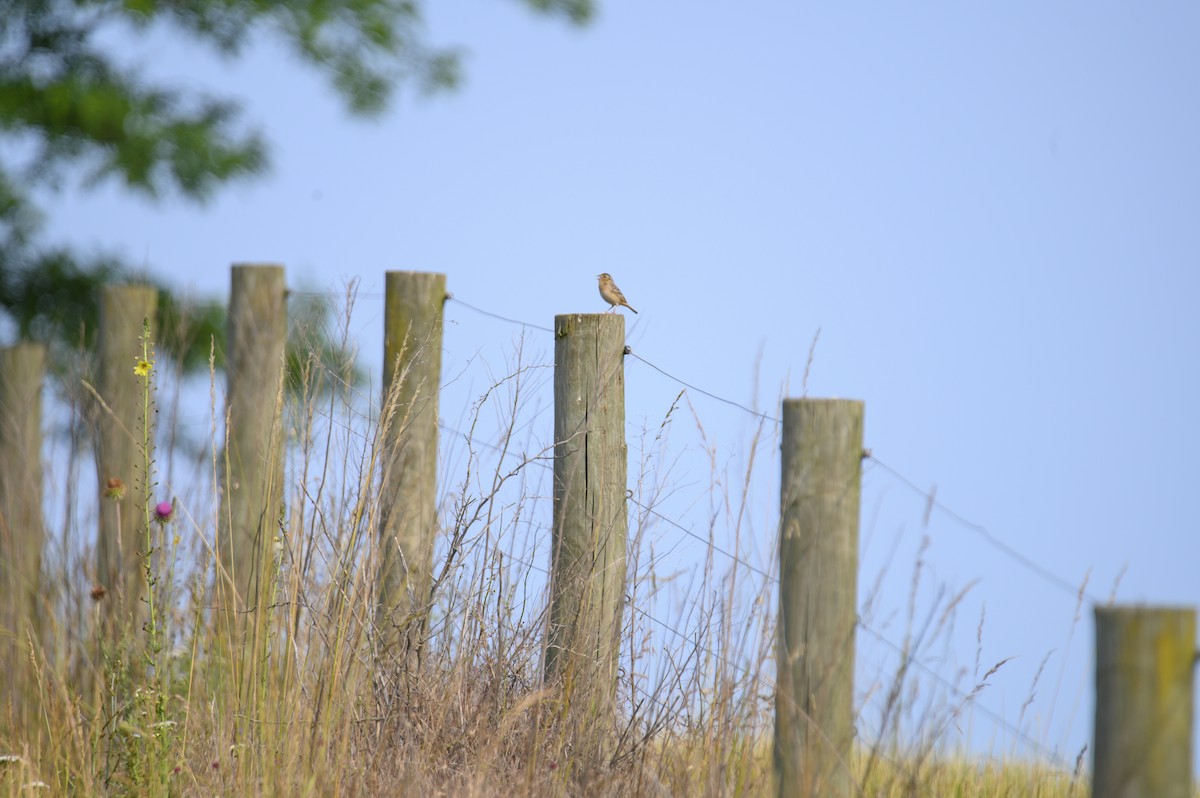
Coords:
pixel 611 294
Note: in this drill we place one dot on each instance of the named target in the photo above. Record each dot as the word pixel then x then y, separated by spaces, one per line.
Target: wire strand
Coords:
pixel 489 313
pixel 709 394
pixel 1075 591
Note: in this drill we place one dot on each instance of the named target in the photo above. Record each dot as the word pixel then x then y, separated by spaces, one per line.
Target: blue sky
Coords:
pixel 989 211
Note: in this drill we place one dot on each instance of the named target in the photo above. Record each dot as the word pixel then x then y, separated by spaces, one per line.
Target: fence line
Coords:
pixel 988 537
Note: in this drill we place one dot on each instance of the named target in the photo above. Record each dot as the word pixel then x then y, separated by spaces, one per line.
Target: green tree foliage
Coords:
pixel 68 110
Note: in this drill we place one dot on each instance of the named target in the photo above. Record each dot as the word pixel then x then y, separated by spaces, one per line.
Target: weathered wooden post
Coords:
pixel 252 490
pixel 412 374
pixel 1145 699
pixel 22 526
pixel 818 578
pixel 121 459
pixel 590 526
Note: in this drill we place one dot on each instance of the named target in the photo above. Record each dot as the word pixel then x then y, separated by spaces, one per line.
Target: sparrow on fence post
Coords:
pixel 611 294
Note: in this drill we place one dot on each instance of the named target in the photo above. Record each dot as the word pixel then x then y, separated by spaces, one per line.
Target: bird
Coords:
pixel 611 294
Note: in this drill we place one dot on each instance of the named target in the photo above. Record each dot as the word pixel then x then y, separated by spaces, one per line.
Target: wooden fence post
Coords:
pixel 22 526
pixel 252 493
pixel 124 309
pixel 590 525
pixel 1145 660
pixel 412 375
pixel 818 577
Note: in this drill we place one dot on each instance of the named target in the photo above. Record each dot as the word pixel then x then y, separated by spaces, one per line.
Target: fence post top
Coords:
pixel 589 318
pixel 811 400
pixel 246 266
pixel 415 273
pixel 1134 610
